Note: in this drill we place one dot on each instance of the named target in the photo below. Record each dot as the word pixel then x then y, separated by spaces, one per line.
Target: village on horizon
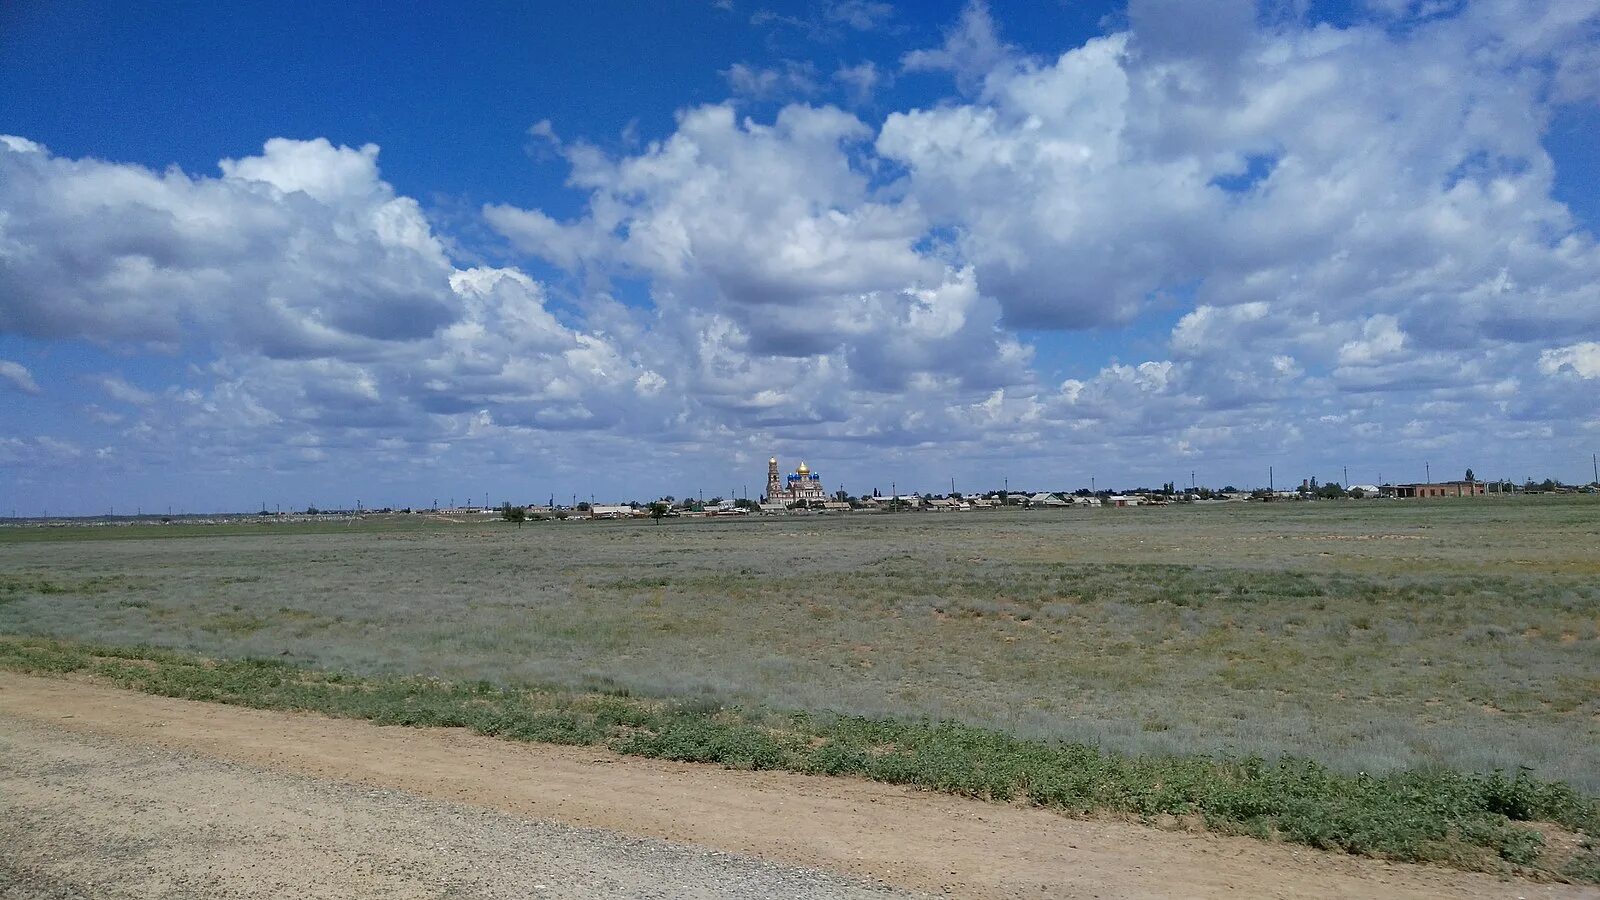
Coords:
pixel 803 492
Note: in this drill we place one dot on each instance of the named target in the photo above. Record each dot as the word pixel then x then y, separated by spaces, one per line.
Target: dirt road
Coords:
pixel 97 817
pixel 105 792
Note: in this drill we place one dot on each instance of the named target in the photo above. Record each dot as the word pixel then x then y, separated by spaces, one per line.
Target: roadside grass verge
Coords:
pixel 1468 821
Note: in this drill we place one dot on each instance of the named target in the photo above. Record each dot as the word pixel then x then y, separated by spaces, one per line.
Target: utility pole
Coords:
pixel 1346 484
pixel 894 498
pixel 1091 484
pixel 1427 473
pixel 1270 485
pixel 1594 460
pixel 952 485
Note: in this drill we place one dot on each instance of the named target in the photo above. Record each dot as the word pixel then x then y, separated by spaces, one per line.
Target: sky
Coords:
pixel 299 253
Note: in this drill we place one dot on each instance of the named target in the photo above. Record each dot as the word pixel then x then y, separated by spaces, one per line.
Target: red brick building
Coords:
pixel 1440 489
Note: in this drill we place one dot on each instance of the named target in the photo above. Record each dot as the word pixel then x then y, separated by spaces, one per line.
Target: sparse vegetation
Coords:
pixel 1469 821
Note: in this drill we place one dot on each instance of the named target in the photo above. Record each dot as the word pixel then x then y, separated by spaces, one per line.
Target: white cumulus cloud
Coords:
pixel 300 250
pixel 18 376
pixel 1582 360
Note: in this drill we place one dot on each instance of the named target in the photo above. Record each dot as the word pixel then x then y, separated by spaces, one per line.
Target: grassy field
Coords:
pixel 1370 637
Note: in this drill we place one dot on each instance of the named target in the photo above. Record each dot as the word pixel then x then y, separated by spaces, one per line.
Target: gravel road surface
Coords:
pixel 88 817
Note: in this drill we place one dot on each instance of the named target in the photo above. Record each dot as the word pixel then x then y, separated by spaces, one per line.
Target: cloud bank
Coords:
pixel 1191 241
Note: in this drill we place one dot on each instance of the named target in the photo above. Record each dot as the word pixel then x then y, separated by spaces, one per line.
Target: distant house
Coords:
pixel 906 501
pixel 1440 489
pixel 1046 499
pixel 612 512
pixel 1124 500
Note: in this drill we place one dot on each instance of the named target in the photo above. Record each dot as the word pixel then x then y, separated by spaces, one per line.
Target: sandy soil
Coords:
pixel 910 839
pixel 99 818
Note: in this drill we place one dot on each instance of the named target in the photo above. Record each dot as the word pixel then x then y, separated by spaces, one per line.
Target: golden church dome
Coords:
pixel 803 470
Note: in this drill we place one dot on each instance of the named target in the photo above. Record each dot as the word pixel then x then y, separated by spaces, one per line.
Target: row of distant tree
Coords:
pixel 1333 490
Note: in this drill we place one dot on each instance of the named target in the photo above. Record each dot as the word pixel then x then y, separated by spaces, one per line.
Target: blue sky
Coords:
pixel 302 253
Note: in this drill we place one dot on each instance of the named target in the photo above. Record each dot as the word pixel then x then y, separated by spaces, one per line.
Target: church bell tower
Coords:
pixel 774 483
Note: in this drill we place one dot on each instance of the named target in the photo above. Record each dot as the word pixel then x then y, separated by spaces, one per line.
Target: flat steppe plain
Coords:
pixel 1366 635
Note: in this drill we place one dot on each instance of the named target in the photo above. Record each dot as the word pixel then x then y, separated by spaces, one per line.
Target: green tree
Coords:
pixel 658 511
pixel 509 513
pixel 1469 478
